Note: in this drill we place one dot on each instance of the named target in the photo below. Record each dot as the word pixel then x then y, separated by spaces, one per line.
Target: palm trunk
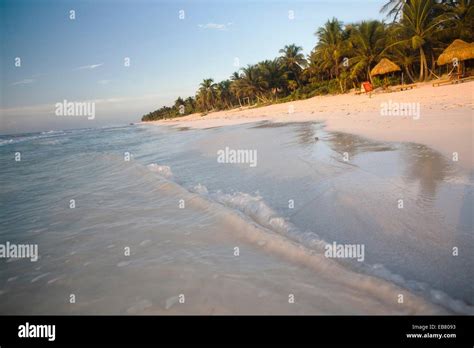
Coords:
pixel 410 76
pixel 423 64
pixel 297 78
pixel 433 64
pixel 341 86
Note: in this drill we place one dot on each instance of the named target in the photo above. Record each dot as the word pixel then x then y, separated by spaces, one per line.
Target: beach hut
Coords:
pixel 459 49
pixel 385 66
pixel 456 53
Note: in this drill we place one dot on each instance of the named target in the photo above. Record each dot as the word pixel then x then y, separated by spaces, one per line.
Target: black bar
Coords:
pixel 220 330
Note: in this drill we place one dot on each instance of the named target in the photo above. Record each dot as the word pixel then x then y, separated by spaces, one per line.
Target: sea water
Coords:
pixel 150 219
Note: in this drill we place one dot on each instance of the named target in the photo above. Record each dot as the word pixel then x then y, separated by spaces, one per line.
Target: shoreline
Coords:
pixel 192 251
pixel 444 121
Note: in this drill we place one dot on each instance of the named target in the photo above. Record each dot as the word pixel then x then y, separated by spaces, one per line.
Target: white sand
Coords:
pixel 445 123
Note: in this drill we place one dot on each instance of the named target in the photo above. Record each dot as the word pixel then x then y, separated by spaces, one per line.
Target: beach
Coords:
pixel 445 122
pixel 223 166
pixel 162 225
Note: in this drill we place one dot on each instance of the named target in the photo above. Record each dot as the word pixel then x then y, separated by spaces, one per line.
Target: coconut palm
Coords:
pixel 235 76
pixel 293 60
pixel 190 105
pixel 178 102
pixel 367 43
pixel 420 23
pixel 402 56
pixel 252 84
pixel 235 86
pixel 224 94
pixel 463 19
pixel 393 8
pixel 313 70
pixel 273 75
pixel 206 95
pixel 330 47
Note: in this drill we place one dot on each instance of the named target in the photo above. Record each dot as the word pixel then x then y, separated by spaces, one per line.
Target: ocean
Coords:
pixel 145 219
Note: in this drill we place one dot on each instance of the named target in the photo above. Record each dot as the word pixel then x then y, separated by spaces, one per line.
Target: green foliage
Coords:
pixel 187 107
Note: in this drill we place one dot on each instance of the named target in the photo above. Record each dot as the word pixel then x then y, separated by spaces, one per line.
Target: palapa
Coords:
pixel 459 50
pixel 385 66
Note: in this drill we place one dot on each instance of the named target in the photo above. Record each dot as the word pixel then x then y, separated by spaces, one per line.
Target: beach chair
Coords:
pixel 360 91
pixel 367 86
pixel 453 77
pixel 441 82
pixel 404 87
pixel 464 79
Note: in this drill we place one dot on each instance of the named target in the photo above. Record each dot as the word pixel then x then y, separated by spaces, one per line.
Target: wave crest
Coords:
pixel 164 171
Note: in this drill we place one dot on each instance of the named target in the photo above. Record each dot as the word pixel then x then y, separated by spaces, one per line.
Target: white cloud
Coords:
pixel 89 67
pixel 103 82
pixel 215 26
pixel 23 82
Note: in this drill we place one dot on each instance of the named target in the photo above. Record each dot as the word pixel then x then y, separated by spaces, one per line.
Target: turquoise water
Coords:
pixel 136 204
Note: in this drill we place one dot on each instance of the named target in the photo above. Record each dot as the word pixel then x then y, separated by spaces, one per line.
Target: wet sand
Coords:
pixel 445 122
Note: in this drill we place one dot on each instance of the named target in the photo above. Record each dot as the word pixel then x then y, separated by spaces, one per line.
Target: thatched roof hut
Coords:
pixel 385 66
pixel 459 50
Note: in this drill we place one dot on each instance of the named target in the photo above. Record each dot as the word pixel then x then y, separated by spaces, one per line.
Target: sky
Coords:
pixel 171 46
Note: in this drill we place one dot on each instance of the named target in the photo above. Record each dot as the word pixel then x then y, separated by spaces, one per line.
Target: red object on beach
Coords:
pixel 367 86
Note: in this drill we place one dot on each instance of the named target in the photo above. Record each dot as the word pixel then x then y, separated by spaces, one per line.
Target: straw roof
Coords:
pixel 385 66
pixel 458 49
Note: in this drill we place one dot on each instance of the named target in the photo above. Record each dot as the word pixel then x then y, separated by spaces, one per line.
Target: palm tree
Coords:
pixel 393 8
pixel 273 75
pixel 330 47
pixel 313 70
pixel 178 102
pixel 235 87
pixel 367 43
pixel 463 15
pixel 293 60
pixel 235 76
pixel 420 22
pixel 402 56
pixel 190 105
pixel 224 94
pixel 252 83
pixel 206 95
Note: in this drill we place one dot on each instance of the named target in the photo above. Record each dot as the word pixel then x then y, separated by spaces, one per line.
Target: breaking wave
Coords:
pixel 302 245
pixel 164 171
